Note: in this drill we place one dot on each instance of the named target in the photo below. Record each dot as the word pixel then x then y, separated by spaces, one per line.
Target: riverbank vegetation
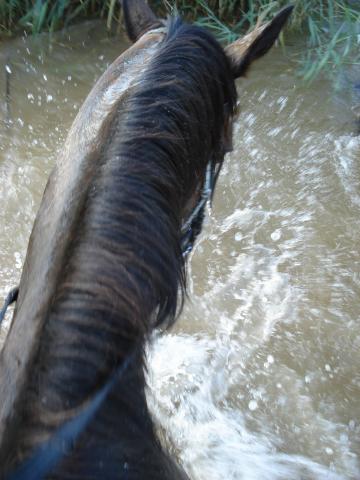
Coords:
pixel 331 28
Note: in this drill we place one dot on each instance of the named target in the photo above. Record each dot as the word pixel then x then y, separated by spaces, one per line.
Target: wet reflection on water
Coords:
pixel 260 378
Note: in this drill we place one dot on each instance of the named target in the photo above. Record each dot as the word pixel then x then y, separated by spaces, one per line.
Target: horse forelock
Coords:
pixel 124 267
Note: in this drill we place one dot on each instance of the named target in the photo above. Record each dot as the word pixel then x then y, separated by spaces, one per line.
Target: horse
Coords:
pixel 106 258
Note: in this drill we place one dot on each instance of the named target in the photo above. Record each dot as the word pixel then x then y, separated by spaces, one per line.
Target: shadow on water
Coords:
pixel 260 378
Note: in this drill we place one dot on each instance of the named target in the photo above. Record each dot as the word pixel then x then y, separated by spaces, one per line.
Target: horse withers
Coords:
pixel 107 253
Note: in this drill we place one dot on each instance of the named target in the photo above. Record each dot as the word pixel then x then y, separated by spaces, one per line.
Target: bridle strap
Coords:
pixel 192 226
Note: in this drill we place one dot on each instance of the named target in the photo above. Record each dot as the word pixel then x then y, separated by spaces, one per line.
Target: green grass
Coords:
pixel 36 16
pixel 330 28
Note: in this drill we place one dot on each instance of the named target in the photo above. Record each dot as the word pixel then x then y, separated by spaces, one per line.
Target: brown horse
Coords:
pixel 105 261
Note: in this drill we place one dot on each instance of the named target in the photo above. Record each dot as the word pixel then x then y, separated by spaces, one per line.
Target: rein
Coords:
pixel 11 298
pixel 50 453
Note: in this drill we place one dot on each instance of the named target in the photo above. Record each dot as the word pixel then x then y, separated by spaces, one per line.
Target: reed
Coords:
pixel 36 16
pixel 331 28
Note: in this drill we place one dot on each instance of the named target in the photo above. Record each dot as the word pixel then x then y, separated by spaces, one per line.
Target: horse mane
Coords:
pixel 124 267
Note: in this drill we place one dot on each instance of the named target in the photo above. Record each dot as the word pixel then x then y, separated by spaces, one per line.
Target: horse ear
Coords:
pixel 256 43
pixel 138 18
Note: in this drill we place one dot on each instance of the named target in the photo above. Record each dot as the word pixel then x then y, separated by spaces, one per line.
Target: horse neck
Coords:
pixel 123 265
pixel 121 278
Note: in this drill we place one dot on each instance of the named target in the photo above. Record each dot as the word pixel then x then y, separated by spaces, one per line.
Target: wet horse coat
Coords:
pixel 104 260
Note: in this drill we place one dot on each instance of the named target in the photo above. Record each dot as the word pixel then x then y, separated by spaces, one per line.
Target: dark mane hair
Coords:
pixel 124 265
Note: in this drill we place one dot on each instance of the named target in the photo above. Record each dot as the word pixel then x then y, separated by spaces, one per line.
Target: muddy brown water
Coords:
pixel 260 378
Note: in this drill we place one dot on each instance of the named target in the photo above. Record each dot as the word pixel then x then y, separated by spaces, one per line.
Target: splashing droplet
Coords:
pixel 253 405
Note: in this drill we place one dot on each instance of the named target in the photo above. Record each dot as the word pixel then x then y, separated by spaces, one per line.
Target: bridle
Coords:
pixel 193 225
pixel 191 228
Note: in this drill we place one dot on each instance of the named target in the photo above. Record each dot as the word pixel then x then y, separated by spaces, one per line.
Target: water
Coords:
pixel 259 379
